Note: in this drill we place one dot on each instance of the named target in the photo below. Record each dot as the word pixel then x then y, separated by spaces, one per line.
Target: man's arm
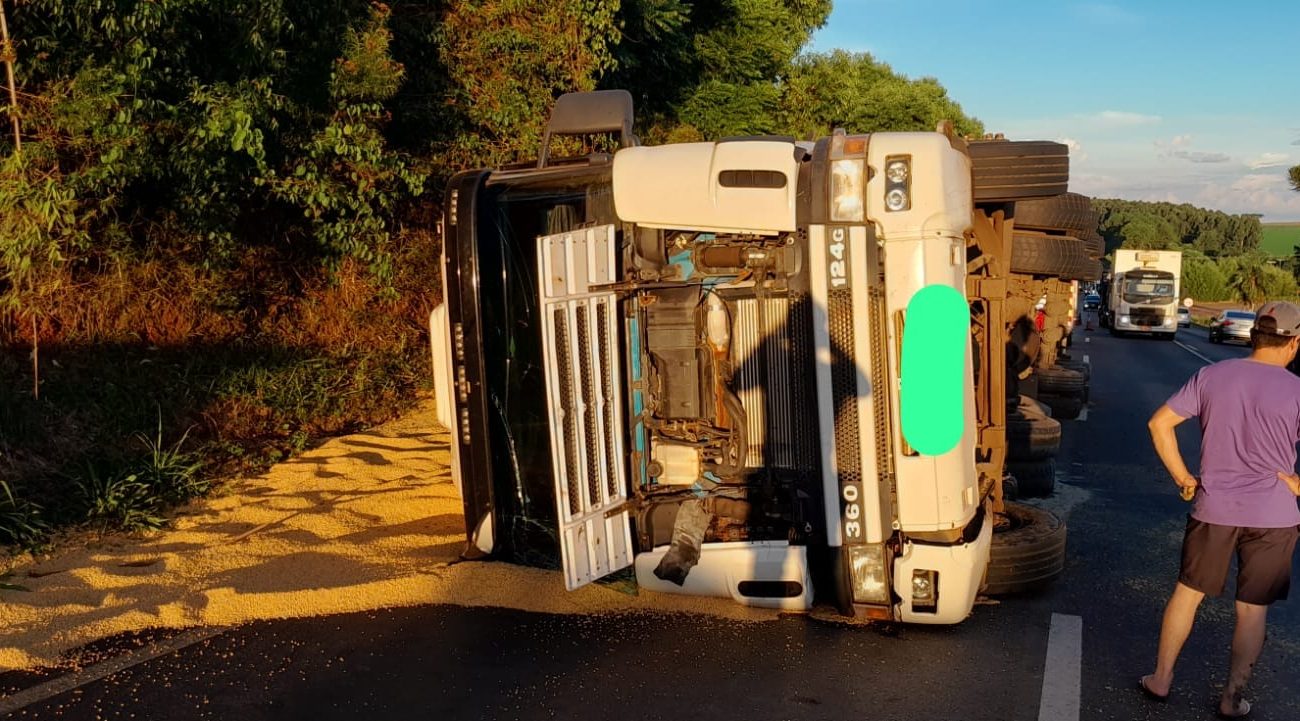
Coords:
pixel 1162 426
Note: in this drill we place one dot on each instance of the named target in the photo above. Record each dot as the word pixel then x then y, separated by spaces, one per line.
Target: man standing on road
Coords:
pixel 1245 500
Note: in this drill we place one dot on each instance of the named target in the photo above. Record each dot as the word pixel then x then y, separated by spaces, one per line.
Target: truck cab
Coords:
pixel 1144 292
pixel 744 368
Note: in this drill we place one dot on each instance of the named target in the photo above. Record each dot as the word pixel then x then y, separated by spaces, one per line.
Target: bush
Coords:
pixel 1203 281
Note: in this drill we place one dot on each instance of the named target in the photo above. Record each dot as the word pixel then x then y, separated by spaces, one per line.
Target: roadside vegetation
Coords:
pixel 218 220
pixel 1223 255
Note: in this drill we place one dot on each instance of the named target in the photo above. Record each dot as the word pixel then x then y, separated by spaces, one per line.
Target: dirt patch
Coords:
pixel 366 521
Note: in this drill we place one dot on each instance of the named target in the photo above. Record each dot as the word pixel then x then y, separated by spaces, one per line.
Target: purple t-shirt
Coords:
pixel 1250 422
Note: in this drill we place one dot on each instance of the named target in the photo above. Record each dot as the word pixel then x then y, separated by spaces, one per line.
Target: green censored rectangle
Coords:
pixel 932 393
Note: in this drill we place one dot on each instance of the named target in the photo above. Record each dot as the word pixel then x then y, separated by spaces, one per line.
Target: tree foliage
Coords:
pixel 823 91
pixel 1141 224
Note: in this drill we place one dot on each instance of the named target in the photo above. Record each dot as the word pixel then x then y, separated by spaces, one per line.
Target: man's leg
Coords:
pixel 1180 612
pixel 1247 642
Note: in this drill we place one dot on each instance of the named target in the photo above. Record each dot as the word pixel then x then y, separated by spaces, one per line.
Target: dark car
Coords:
pixel 1092 301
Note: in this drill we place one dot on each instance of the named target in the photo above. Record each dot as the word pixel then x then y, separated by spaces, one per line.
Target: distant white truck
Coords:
pixel 1143 292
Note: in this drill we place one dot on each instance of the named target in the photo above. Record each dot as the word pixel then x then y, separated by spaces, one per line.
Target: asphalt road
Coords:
pixel 1125 520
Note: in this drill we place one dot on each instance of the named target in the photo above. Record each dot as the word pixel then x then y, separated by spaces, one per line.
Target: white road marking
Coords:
pixel 1087 339
pixel 1083 414
pixel 1060 699
pixel 1193 351
pixel 1085 360
pixel 77 679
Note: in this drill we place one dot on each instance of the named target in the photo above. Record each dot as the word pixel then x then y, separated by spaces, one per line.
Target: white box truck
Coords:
pixel 1143 294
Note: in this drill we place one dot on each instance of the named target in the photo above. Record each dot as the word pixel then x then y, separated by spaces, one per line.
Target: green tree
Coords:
pixel 1148 232
pixel 710 68
pixel 1202 280
pixel 1294 176
pixel 854 91
pixel 1247 277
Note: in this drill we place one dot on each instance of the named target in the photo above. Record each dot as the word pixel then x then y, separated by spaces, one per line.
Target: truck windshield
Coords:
pixel 1147 289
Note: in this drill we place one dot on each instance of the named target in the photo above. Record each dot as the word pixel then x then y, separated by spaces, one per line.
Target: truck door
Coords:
pixel 584 375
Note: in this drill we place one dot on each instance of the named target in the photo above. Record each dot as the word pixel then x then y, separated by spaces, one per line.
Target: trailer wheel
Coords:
pixel 1061 381
pixel 1062 256
pixel 1070 213
pixel 1066 406
pixel 1094 245
pixel 1034 479
pixel 1008 170
pixel 1032 437
pixel 1028 550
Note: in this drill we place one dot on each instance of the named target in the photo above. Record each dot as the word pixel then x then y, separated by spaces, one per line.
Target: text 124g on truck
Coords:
pixel 757 368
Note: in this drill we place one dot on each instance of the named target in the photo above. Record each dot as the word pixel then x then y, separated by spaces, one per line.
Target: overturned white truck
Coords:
pixel 738 369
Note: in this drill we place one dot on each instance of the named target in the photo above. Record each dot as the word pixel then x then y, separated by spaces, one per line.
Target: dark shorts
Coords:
pixel 1263 560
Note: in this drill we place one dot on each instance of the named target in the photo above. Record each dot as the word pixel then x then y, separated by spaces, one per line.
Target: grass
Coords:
pixel 1280 239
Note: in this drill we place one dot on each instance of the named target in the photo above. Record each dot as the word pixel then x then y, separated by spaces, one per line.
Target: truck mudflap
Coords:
pixel 767 574
pixel 955 574
pixel 583 391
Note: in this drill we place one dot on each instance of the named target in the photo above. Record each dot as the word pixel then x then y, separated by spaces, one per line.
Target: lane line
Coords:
pixel 91 674
pixel 1060 699
pixel 1193 351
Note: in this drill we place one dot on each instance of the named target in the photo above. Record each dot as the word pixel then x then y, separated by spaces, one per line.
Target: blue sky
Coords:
pixel 1189 102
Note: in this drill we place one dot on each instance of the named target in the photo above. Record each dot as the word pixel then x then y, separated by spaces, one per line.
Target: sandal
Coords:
pixel 1152 695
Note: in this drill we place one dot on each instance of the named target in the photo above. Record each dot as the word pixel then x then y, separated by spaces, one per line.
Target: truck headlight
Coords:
pixel 870 576
pixel 925 588
pixel 898 182
pixel 1169 322
pixel 1123 319
pixel 847 178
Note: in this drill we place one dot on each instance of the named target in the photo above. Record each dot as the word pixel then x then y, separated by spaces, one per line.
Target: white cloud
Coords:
pixel 1124 119
pixel 1267 193
pixel 1269 160
pixel 1181 140
pixel 1076 149
pixel 1197 156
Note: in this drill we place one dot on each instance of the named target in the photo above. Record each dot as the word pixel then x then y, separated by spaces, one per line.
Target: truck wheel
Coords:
pixel 1061 381
pixel 1009 170
pixel 1028 551
pixel 1031 437
pixel 1085 369
pixel 1070 213
pixel 1065 406
pixel 1094 245
pixel 1034 479
pixel 1062 256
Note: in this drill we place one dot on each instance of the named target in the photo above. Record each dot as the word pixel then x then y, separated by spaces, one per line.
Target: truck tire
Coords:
pixel 1094 245
pixel 1076 365
pixel 1032 437
pixel 1028 551
pixel 1032 407
pixel 1060 381
pixel 1065 406
pixel 1061 256
pixel 1010 170
pixel 1091 271
pixel 1034 479
pixel 1068 213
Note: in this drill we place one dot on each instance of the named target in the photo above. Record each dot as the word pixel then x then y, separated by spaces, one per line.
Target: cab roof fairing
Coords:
pixel 681 186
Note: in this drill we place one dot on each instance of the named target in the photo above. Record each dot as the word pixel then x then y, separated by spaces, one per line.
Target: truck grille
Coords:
pixel 844 386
